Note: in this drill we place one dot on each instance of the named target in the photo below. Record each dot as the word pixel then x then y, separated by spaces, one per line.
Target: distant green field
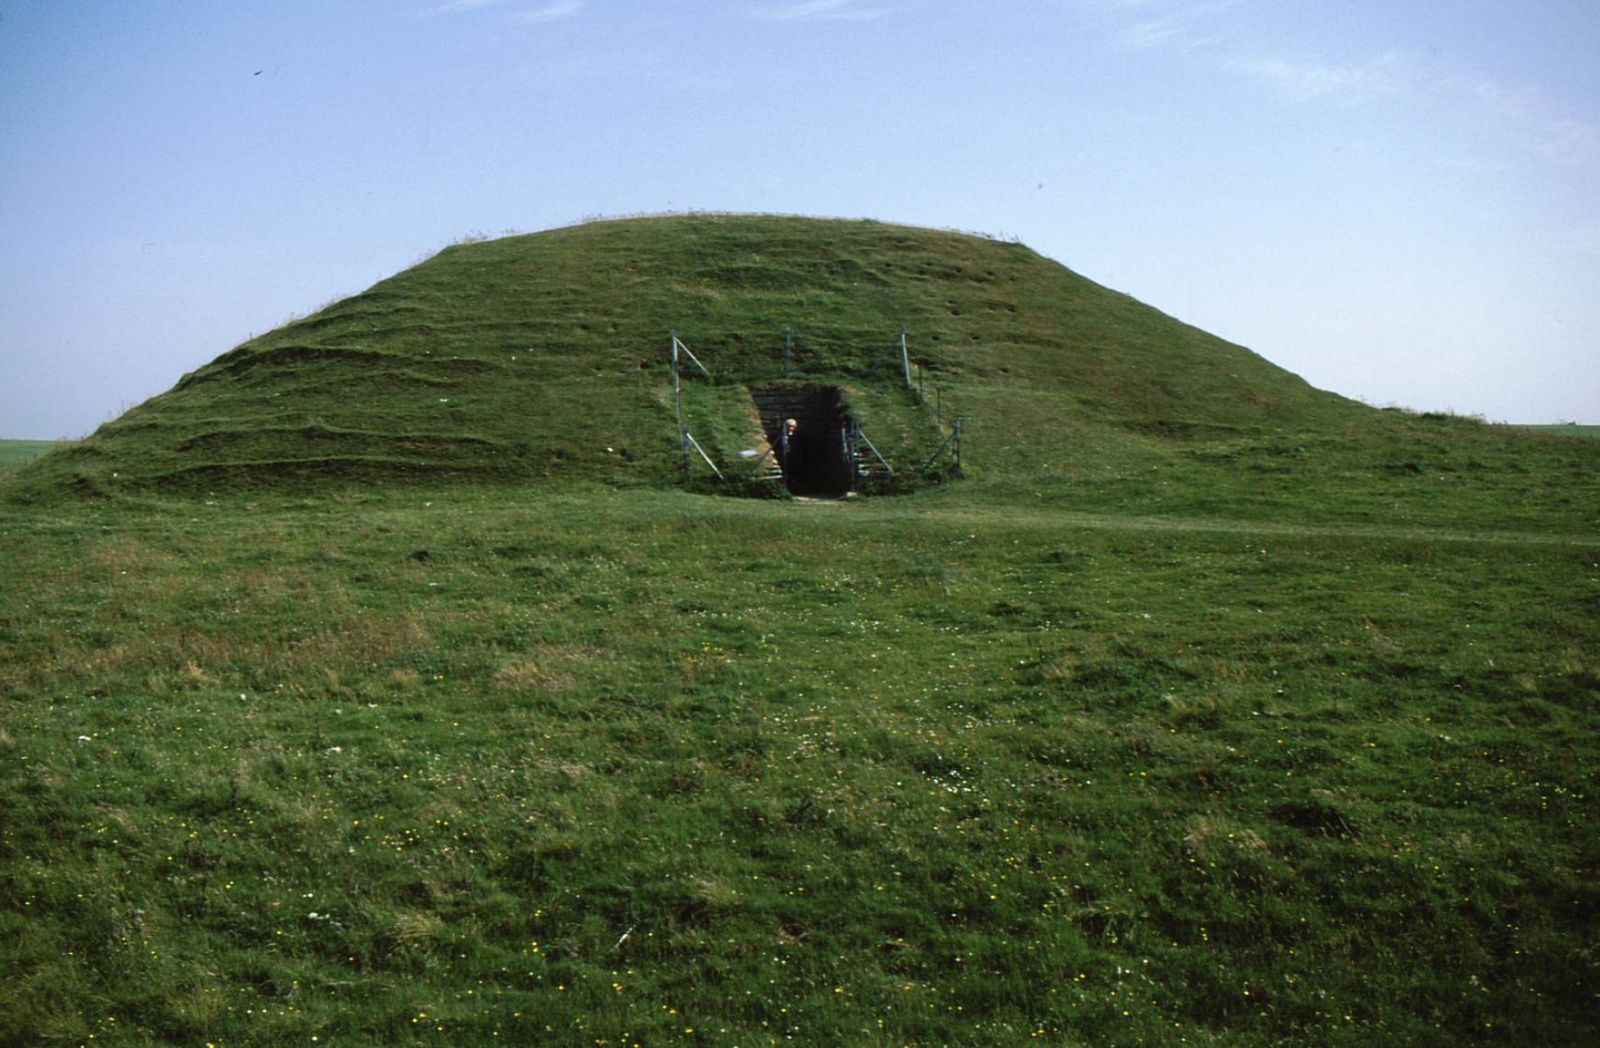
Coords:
pixel 1564 430
pixel 14 453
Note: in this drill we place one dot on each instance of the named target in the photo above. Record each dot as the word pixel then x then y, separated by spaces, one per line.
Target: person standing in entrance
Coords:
pixel 787 441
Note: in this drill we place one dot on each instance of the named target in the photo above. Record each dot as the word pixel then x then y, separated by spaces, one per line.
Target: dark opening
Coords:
pixel 815 458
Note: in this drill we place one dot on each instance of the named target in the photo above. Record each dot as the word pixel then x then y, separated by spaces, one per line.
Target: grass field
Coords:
pixel 475 767
pixel 1565 430
pixel 16 453
pixel 385 683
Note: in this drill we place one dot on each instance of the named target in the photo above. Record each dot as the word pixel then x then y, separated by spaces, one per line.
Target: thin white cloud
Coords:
pixel 456 7
pixel 1164 34
pixel 1315 81
pixel 547 12
pixel 1472 164
pixel 1172 26
pixel 1150 36
pixel 820 10
pixel 1187 27
pixel 1583 242
pixel 1117 7
pixel 1532 123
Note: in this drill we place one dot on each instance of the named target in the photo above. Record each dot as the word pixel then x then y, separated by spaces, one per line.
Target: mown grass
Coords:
pixel 475 766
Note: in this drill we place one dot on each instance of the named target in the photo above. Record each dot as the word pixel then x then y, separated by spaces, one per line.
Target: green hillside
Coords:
pixel 546 356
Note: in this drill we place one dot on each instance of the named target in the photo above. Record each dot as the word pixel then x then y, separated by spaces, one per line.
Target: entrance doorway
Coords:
pixel 816 457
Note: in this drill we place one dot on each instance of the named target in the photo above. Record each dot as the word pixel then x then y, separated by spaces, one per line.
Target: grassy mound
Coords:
pixel 546 356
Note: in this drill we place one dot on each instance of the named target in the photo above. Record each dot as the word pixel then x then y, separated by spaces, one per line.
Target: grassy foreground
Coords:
pixel 482 765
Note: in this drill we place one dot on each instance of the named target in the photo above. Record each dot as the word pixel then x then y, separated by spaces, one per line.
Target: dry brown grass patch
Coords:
pixel 545 669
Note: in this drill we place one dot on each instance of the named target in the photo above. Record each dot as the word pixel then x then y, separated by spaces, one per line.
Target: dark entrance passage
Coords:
pixel 815 457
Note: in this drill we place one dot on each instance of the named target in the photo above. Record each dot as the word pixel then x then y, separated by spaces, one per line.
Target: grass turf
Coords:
pixel 459 767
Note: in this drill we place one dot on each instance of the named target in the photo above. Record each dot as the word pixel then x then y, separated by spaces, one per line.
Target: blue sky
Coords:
pixel 1399 201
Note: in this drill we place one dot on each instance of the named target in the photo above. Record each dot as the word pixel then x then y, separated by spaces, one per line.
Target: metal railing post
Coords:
pixel 905 359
